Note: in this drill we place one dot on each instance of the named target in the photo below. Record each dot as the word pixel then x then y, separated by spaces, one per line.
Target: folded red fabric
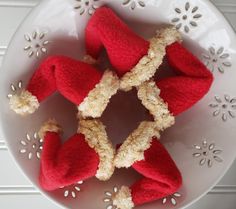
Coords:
pixel 134 59
pixel 68 163
pixel 77 81
pixel 124 48
pixel 77 159
pixel 192 82
pixel 161 175
pixel 72 78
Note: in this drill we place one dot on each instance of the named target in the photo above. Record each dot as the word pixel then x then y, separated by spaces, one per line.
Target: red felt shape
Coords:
pixel 123 46
pixel 65 164
pixel 161 176
pixel 192 82
pixel 72 78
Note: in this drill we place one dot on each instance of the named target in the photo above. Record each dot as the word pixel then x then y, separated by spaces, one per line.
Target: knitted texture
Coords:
pixel 123 46
pixel 65 164
pixel 122 199
pixel 90 153
pixel 192 82
pixel 161 176
pixel 137 142
pixel 149 64
pixel 96 137
pixel 50 126
pixel 98 98
pixel 24 103
pixel 72 78
pixel 148 93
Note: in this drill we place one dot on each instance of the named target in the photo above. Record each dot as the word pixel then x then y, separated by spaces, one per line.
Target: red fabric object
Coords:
pixel 161 176
pixel 192 82
pixel 72 78
pixel 65 164
pixel 123 46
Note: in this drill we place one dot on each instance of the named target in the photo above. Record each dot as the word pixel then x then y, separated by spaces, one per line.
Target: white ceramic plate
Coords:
pixel 203 140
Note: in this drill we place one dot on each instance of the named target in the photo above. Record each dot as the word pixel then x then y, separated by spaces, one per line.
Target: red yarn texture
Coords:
pixel 161 176
pixel 123 46
pixel 65 164
pixel 72 78
pixel 192 82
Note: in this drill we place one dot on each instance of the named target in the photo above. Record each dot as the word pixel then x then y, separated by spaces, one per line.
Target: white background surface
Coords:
pixel 16 191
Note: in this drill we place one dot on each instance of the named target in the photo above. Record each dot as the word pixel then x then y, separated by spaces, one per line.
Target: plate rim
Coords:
pixel 44 193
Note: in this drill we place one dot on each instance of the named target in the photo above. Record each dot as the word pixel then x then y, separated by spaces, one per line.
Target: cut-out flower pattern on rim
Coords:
pixel 134 4
pixel 31 146
pixel 207 153
pixel 73 190
pixel 15 89
pixel 186 18
pixel 36 43
pixel 217 59
pixel 172 199
pixel 224 107
pixel 109 198
pixel 86 6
